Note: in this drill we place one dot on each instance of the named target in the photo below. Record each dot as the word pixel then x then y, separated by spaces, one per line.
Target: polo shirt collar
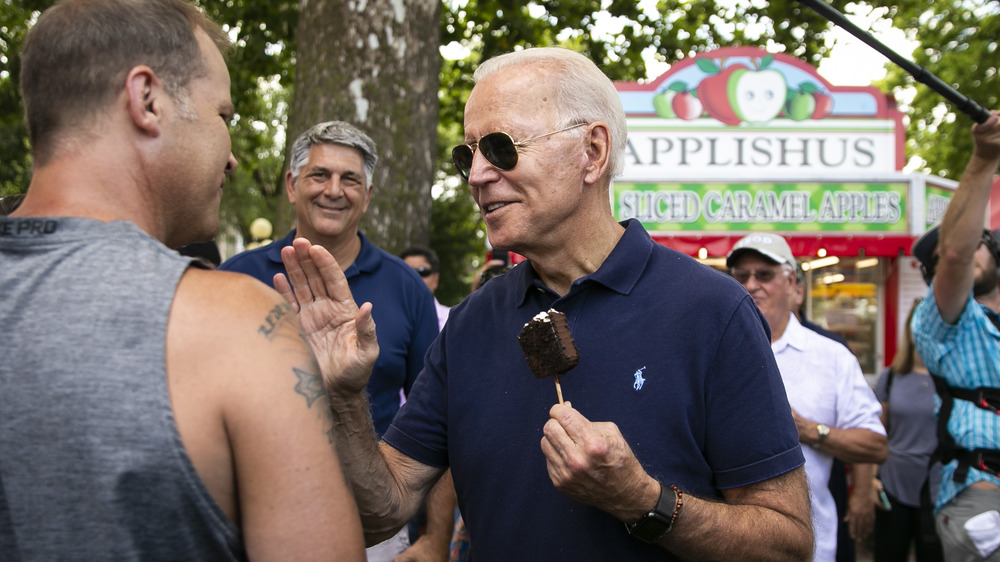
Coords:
pixel 366 262
pixel 368 259
pixel 794 336
pixel 620 272
pixel 273 251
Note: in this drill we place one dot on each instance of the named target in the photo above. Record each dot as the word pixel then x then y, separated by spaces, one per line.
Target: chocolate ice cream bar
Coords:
pixel 548 346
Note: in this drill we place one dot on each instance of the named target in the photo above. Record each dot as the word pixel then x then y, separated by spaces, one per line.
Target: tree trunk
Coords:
pixel 375 64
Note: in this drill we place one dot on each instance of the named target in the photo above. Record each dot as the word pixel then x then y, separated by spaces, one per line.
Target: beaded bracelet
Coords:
pixel 677 507
pixel 654 525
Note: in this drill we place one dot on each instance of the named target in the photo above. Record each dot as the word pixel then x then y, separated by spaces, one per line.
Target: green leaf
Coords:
pixel 707 65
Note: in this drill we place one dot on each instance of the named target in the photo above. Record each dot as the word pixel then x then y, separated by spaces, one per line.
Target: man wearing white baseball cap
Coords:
pixel 835 411
pixel 771 246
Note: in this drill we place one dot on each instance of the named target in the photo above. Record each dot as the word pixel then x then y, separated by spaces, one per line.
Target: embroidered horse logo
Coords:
pixel 638 379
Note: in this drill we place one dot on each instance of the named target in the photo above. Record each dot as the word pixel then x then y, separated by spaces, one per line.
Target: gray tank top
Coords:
pixel 91 464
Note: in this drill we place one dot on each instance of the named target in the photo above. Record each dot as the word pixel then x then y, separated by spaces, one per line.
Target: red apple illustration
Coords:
pixel 824 105
pixel 713 91
pixel 686 106
pixel 663 101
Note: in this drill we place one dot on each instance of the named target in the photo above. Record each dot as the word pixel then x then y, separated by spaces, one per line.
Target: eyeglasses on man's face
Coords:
pixel 424 271
pixel 499 149
pixel 761 275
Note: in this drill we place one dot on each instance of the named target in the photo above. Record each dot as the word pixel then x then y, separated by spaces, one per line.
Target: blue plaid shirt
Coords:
pixel 966 355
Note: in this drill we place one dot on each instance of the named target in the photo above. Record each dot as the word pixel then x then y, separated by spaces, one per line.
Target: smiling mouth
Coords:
pixel 493 207
pixel 327 209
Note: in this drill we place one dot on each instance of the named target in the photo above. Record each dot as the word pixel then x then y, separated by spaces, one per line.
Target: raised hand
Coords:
pixel 987 137
pixel 341 335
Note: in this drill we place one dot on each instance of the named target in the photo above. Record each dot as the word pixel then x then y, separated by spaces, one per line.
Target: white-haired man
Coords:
pixel 836 413
pixel 674 364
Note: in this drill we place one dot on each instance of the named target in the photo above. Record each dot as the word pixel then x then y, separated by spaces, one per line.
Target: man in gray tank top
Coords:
pixel 150 409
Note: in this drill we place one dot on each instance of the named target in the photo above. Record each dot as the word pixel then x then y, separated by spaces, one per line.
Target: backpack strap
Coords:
pixel 987 460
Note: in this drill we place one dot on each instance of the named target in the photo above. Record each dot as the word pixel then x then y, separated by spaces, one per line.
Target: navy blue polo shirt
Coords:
pixel 402 306
pixel 673 352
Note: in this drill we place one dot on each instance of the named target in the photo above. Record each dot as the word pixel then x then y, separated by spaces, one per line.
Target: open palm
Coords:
pixel 341 334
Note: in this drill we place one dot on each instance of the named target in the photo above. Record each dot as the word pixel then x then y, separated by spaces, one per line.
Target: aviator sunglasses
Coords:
pixel 762 276
pixel 498 148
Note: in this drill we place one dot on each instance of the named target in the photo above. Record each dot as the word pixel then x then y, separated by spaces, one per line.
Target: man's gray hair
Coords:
pixel 334 132
pixel 800 274
pixel 584 94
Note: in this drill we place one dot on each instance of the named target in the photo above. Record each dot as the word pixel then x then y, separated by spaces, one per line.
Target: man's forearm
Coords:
pixel 862 476
pixel 960 236
pixel 765 521
pixel 962 224
pixel 861 505
pixel 440 507
pixel 365 468
pixel 851 445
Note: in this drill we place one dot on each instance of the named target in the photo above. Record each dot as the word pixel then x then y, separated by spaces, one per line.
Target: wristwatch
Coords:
pixel 657 522
pixel 824 431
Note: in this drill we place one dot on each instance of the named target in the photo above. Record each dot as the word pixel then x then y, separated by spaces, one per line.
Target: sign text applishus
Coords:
pixel 765 153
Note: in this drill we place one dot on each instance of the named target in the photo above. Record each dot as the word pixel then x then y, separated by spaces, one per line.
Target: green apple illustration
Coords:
pixel 757 96
pixel 661 103
pixel 800 106
pixel 807 102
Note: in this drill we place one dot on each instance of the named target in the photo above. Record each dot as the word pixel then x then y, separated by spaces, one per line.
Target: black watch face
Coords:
pixel 650 529
pixel 656 523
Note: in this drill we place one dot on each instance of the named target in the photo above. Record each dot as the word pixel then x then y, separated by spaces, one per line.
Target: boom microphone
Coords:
pixel 919 73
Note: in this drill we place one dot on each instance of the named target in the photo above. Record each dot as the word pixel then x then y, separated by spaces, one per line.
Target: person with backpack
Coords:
pixel 955 329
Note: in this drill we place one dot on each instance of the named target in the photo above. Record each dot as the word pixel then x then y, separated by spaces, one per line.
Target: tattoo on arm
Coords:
pixel 281 323
pixel 274 319
pixel 310 385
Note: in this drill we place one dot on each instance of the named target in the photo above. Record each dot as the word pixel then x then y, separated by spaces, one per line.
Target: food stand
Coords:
pixel 740 140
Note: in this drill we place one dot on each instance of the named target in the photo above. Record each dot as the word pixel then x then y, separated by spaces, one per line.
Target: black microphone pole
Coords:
pixel 919 73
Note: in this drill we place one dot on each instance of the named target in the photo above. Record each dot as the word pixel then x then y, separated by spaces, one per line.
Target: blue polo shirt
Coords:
pixel 402 306
pixel 673 352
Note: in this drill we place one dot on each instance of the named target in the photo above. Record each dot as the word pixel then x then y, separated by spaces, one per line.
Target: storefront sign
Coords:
pixel 745 114
pixel 656 150
pixel 741 140
pixel 936 203
pixel 792 207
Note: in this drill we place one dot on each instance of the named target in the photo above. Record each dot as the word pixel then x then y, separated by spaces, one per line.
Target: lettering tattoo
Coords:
pixel 274 318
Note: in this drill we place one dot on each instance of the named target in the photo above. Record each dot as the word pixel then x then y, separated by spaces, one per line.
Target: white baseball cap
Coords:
pixel 772 246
